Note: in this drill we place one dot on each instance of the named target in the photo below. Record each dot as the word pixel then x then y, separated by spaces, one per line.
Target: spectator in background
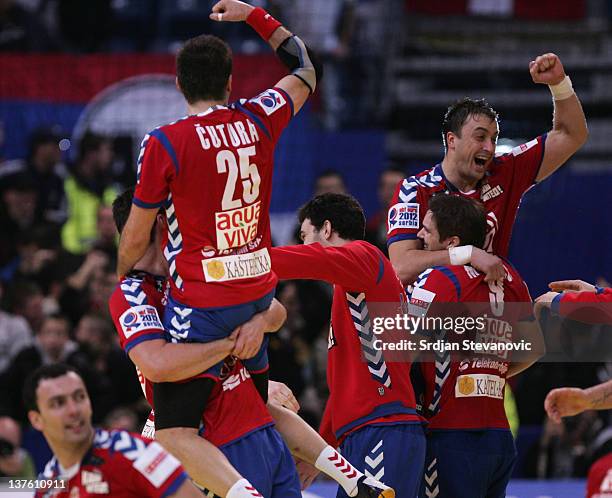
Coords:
pixel 44 164
pixel 20 30
pixel 88 187
pixel 376 227
pixel 15 335
pixel 330 181
pixel 18 206
pixel 326 26
pixel 122 419
pixel 52 344
pixel 14 461
pixel 109 374
pixel 25 299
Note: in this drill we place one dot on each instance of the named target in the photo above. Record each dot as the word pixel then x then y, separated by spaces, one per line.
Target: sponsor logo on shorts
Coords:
pixel 270 101
pixel 480 386
pixel 403 215
pixel 237 227
pixel 137 318
pixel 237 267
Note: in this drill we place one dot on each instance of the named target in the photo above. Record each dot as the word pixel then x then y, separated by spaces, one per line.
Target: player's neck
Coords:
pixel 451 173
pixel 70 455
pixel 151 262
pixel 203 105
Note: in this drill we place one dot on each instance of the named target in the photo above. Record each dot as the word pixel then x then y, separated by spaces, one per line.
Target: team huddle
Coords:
pixel 196 301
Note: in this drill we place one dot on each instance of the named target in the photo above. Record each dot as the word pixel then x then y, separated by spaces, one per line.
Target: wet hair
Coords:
pixel 342 210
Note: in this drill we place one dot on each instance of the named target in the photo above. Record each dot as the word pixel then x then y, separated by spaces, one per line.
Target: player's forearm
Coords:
pixel 302 440
pixel 409 264
pixel 274 316
pixel 131 249
pixel 531 333
pixel 600 396
pixel 570 120
pixel 175 362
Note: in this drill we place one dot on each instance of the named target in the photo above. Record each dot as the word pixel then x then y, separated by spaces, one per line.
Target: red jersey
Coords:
pixel 234 408
pixel 364 388
pixel 213 174
pixel 469 393
pixel 599 480
pixel 119 464
pixel 509 176
pixel 589 307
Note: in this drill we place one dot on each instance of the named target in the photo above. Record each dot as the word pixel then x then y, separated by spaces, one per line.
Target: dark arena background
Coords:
pixel 97 75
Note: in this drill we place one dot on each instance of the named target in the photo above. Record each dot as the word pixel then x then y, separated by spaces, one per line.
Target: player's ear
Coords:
pixel 176 83
pixel 35 420
pixel 450 140
pixel 327 229
pixel 453 241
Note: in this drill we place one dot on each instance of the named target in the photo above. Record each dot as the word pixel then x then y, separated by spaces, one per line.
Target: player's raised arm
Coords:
pixel 305 68
pixel 569 131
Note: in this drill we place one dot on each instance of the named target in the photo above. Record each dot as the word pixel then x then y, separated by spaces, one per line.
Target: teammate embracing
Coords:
pixel 371 411
pixel 470 449
pixel 212 172
pixel 471 169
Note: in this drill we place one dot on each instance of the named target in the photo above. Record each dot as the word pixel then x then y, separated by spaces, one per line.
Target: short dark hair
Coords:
pixel 342 210
pixel 458 113
pixel 459 216
pixel 203 66
pixel 121 208
pixel 33 380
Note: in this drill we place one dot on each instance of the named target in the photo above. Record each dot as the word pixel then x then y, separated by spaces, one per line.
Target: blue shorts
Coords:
pixel 263 458
pixel 392 454
pixel 468 464
pixel 185 324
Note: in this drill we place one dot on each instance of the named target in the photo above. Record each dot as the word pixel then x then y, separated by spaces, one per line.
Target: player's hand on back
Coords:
pixel 489 264
pixel 230 10
pixel 571 285
pixel 547 69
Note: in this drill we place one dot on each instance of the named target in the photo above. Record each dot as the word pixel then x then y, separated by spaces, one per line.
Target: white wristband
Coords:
pixel 563 90
pixel 461 255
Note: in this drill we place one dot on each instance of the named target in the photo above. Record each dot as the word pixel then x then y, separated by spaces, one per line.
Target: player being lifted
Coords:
pixel 212 171
pixel 235 418
pixel 470 449
pixel 371 407
pixel 470 168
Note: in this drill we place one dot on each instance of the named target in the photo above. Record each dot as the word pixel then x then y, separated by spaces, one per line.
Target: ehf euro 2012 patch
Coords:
pixel 270 101
pixel 137 318
pixel 403 215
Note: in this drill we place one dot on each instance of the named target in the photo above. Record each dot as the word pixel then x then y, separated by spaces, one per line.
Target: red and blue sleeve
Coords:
pixel 353 265
pixel 271 111
pixel 589 307
pixel 157 165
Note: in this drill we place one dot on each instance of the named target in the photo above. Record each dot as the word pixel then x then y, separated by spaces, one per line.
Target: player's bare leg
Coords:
pixel 306 444
pixel 205 463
